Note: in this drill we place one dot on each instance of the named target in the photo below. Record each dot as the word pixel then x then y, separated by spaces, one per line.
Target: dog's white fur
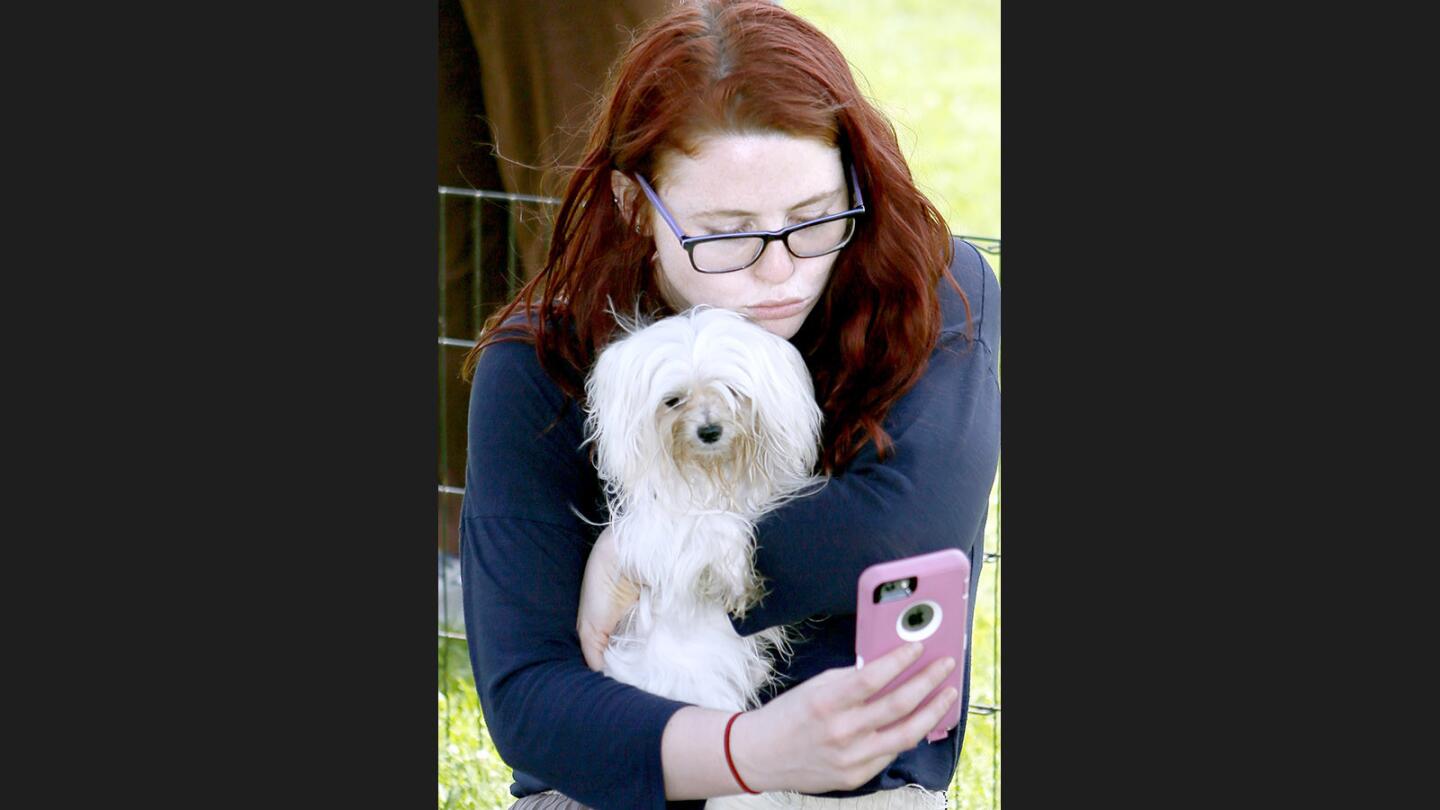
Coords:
pixel 682 509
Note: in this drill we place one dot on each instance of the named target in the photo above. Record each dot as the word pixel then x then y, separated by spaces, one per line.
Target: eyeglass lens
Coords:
pixel 732 254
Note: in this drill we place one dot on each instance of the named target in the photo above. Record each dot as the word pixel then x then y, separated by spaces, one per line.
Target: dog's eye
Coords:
pixel 671 402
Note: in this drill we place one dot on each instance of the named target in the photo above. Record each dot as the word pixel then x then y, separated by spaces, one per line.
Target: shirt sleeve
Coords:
pixel 932 493
pixel 523 553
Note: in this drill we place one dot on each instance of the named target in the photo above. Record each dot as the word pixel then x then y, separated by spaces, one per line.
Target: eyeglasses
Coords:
pixel 728 252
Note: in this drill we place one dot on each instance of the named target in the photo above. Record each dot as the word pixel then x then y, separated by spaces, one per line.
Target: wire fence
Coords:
pixel 480 269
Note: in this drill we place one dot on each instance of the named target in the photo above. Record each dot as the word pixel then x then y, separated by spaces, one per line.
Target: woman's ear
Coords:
pixel 625 191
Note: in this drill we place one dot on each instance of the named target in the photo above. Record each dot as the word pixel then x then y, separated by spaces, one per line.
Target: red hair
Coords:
pixel 741 67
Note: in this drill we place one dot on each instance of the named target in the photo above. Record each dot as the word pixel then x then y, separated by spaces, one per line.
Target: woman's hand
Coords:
pixel 822 735
pixel 605 596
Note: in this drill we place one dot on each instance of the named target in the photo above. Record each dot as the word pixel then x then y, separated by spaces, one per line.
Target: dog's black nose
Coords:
pixel 708 433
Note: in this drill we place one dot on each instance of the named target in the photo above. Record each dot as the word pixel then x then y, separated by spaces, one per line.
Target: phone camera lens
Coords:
pixel 918 622
pixel 918 616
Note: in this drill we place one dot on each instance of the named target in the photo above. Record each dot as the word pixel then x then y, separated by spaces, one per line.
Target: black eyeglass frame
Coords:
pixel 766 237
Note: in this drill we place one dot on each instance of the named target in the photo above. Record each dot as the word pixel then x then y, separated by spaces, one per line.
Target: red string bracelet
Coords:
pixel 730 761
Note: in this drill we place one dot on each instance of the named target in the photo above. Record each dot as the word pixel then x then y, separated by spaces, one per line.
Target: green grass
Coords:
pixel 976 783
pixel 933 66
pixel 472 775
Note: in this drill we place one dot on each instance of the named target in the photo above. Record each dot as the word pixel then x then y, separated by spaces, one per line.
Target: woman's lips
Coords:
pixel 775 310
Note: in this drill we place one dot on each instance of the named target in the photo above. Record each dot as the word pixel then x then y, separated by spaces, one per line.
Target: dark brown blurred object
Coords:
pixel 521 79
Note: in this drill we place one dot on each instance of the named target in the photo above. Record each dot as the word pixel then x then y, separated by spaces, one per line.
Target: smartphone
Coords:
pixel 925 598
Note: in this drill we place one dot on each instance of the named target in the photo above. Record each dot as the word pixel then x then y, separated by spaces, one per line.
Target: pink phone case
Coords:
pixel 940 598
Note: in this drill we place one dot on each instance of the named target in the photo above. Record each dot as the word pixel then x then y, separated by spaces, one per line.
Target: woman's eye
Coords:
pixel 739 227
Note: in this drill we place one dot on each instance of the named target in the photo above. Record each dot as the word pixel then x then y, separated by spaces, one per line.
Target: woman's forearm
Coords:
pixel 692 752
pixel 821 735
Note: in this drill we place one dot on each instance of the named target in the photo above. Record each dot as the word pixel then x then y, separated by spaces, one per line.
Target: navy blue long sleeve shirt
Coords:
pixel 561 725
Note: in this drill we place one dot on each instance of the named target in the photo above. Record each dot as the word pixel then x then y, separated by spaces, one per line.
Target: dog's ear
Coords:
pixel 785 405
pixel 620 397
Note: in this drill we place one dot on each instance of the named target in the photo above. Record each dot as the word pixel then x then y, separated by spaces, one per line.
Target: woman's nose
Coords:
pixel 775 263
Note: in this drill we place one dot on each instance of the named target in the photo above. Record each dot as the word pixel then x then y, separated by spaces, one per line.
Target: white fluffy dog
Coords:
pixel 702 422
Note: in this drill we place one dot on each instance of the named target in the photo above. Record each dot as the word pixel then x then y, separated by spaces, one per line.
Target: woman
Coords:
pixel 725 118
